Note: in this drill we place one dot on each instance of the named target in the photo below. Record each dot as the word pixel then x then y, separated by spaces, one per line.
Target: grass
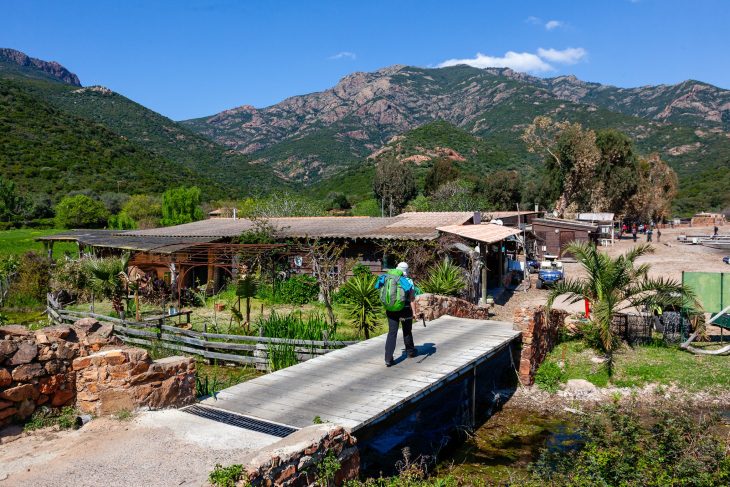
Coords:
pixel 642 365
pixel 45 417
pixel 20 241
pixel 210 379
pixel 226 476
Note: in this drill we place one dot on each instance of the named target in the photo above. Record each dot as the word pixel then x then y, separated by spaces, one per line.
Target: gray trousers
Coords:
pixel 394 318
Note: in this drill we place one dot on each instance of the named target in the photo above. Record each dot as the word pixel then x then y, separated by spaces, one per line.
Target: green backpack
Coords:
pixel 392 294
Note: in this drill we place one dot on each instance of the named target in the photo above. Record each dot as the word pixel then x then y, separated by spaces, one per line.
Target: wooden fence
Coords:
pixel 239 349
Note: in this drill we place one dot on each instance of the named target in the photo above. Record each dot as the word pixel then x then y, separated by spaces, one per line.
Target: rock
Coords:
pixel 54 366
pixel 112 401
pixel 58 331
pixel 598 360
pixel 46 353
pixel 49 385
pixel 14 331
pixel 26 408
pixel 26 372
pixel 580 387
pixel 5 404
pixel 6 413
pixel 7 348
pixel 66 350
pixel 18 393
pixel 87 325
pixel 81 362
pixel 5 377
pixel 63 396
pixel 25 354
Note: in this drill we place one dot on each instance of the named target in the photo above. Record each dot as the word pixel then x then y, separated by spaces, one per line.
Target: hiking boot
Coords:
pixel 413 354
pixel 390 363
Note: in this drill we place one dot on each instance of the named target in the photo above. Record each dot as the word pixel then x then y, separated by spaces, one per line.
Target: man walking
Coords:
pixel 397 293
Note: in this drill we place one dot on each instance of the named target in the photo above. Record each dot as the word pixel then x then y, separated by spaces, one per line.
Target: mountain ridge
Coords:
pixel 51 68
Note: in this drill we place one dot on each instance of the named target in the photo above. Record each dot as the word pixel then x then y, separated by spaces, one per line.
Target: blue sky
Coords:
pixel 188 59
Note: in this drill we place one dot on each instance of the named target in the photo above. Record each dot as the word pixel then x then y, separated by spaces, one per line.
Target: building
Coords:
pixel 605 221
pixel 708 220
pixel 552 235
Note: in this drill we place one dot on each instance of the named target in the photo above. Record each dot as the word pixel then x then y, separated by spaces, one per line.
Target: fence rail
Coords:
pixel 239 349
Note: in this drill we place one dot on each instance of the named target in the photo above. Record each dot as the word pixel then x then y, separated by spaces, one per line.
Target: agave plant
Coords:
pixel 445 278
pixel 614 285
pixel 107 278
pixel 363 303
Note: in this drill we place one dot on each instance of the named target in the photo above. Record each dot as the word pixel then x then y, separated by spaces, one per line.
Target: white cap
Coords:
pixel 403 267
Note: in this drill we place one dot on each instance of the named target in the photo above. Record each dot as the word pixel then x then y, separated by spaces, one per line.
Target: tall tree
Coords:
pixel 657 187
pixel 81 211
pixel 181 205
pixel 394 184
pixel 11 203
pixel 615 178
pixel 571 159
pixel 442 171
pixel 501 189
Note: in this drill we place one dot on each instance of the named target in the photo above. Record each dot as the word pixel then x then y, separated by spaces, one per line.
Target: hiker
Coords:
pixel 397 293
pixel 714 233
pixel 633 231
pixel 658 235
pixel 649 232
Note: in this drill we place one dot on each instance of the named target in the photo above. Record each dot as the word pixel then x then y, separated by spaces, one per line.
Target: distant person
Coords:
pixel 658 235
pixel 715 231
pixel 397 293
pixel 633 231
pixel 648 234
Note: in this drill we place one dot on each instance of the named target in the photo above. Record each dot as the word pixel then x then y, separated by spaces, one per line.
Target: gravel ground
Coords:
pixel 669 260
pixel 161 448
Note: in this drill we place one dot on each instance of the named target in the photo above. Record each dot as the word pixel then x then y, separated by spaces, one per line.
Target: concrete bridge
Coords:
pixel 464 368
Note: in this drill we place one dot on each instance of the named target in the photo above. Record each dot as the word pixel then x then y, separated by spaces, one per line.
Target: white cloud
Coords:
pixel 554 24
pixel 520 61
pixel 344 55
pixel 523 61
pixel 533 20
pixel 571 55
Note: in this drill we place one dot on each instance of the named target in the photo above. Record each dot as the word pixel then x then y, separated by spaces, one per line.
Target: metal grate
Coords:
pixel 240 421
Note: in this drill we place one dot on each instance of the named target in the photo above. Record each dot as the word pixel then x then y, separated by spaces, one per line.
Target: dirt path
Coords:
pixel 669 260
pixel 162 448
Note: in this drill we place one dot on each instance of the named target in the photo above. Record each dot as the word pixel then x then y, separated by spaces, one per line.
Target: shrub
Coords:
pixel 362 302
pixel 299 289
pixel 549 377
pixel 445 278
pixel 80 211
pixel 181 205
pixel 296 326
pixel 33 278
pixel 44 417
pixel 225 476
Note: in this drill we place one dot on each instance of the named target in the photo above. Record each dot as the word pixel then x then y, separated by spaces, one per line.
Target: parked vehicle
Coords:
pixel 551 271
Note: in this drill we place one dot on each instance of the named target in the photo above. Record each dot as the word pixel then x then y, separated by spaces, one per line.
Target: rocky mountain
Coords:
pixel 312 138
pixel 12 60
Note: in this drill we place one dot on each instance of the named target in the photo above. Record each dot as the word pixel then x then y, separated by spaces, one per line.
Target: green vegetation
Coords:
pixel 298 289
pixel 444 278
pixel 45 417
pixel 80 211
pixel 296 325
pixel 614 285
pixel 226 476
pixel 210 379
pixel 675 448
pixel 549 377
pixel 19 241
pixel 362 303
pixel 181 205
pixel 639 366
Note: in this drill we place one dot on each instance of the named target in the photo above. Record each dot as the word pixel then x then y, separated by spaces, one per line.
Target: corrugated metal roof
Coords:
pixel 506 214
pixel 596 217
pixel 117 239
pixel 486 232
pixel 556 222
pixel 407 226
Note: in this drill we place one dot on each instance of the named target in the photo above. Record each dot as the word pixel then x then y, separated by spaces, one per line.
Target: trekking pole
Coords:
pixel 423 320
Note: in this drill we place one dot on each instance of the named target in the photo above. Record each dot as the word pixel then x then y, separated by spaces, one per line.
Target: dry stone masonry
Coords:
pixel 292 461
pixel 539 327
pixel 435 305
pixel 72 365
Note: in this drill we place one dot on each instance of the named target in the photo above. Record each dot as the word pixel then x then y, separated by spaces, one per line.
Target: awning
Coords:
pixel 486 232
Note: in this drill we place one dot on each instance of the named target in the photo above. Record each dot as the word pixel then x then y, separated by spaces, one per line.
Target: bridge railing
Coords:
pixel 238 349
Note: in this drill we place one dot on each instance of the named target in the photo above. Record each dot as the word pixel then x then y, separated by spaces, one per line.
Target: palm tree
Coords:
pixel 107 278
pixel 614 285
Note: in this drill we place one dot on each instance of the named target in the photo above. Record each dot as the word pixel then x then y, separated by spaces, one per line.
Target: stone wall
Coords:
pixel 114 380
pixel 293 460
pixel 434 305
pixel 35 366
pixel 51 365
pixel 539 329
